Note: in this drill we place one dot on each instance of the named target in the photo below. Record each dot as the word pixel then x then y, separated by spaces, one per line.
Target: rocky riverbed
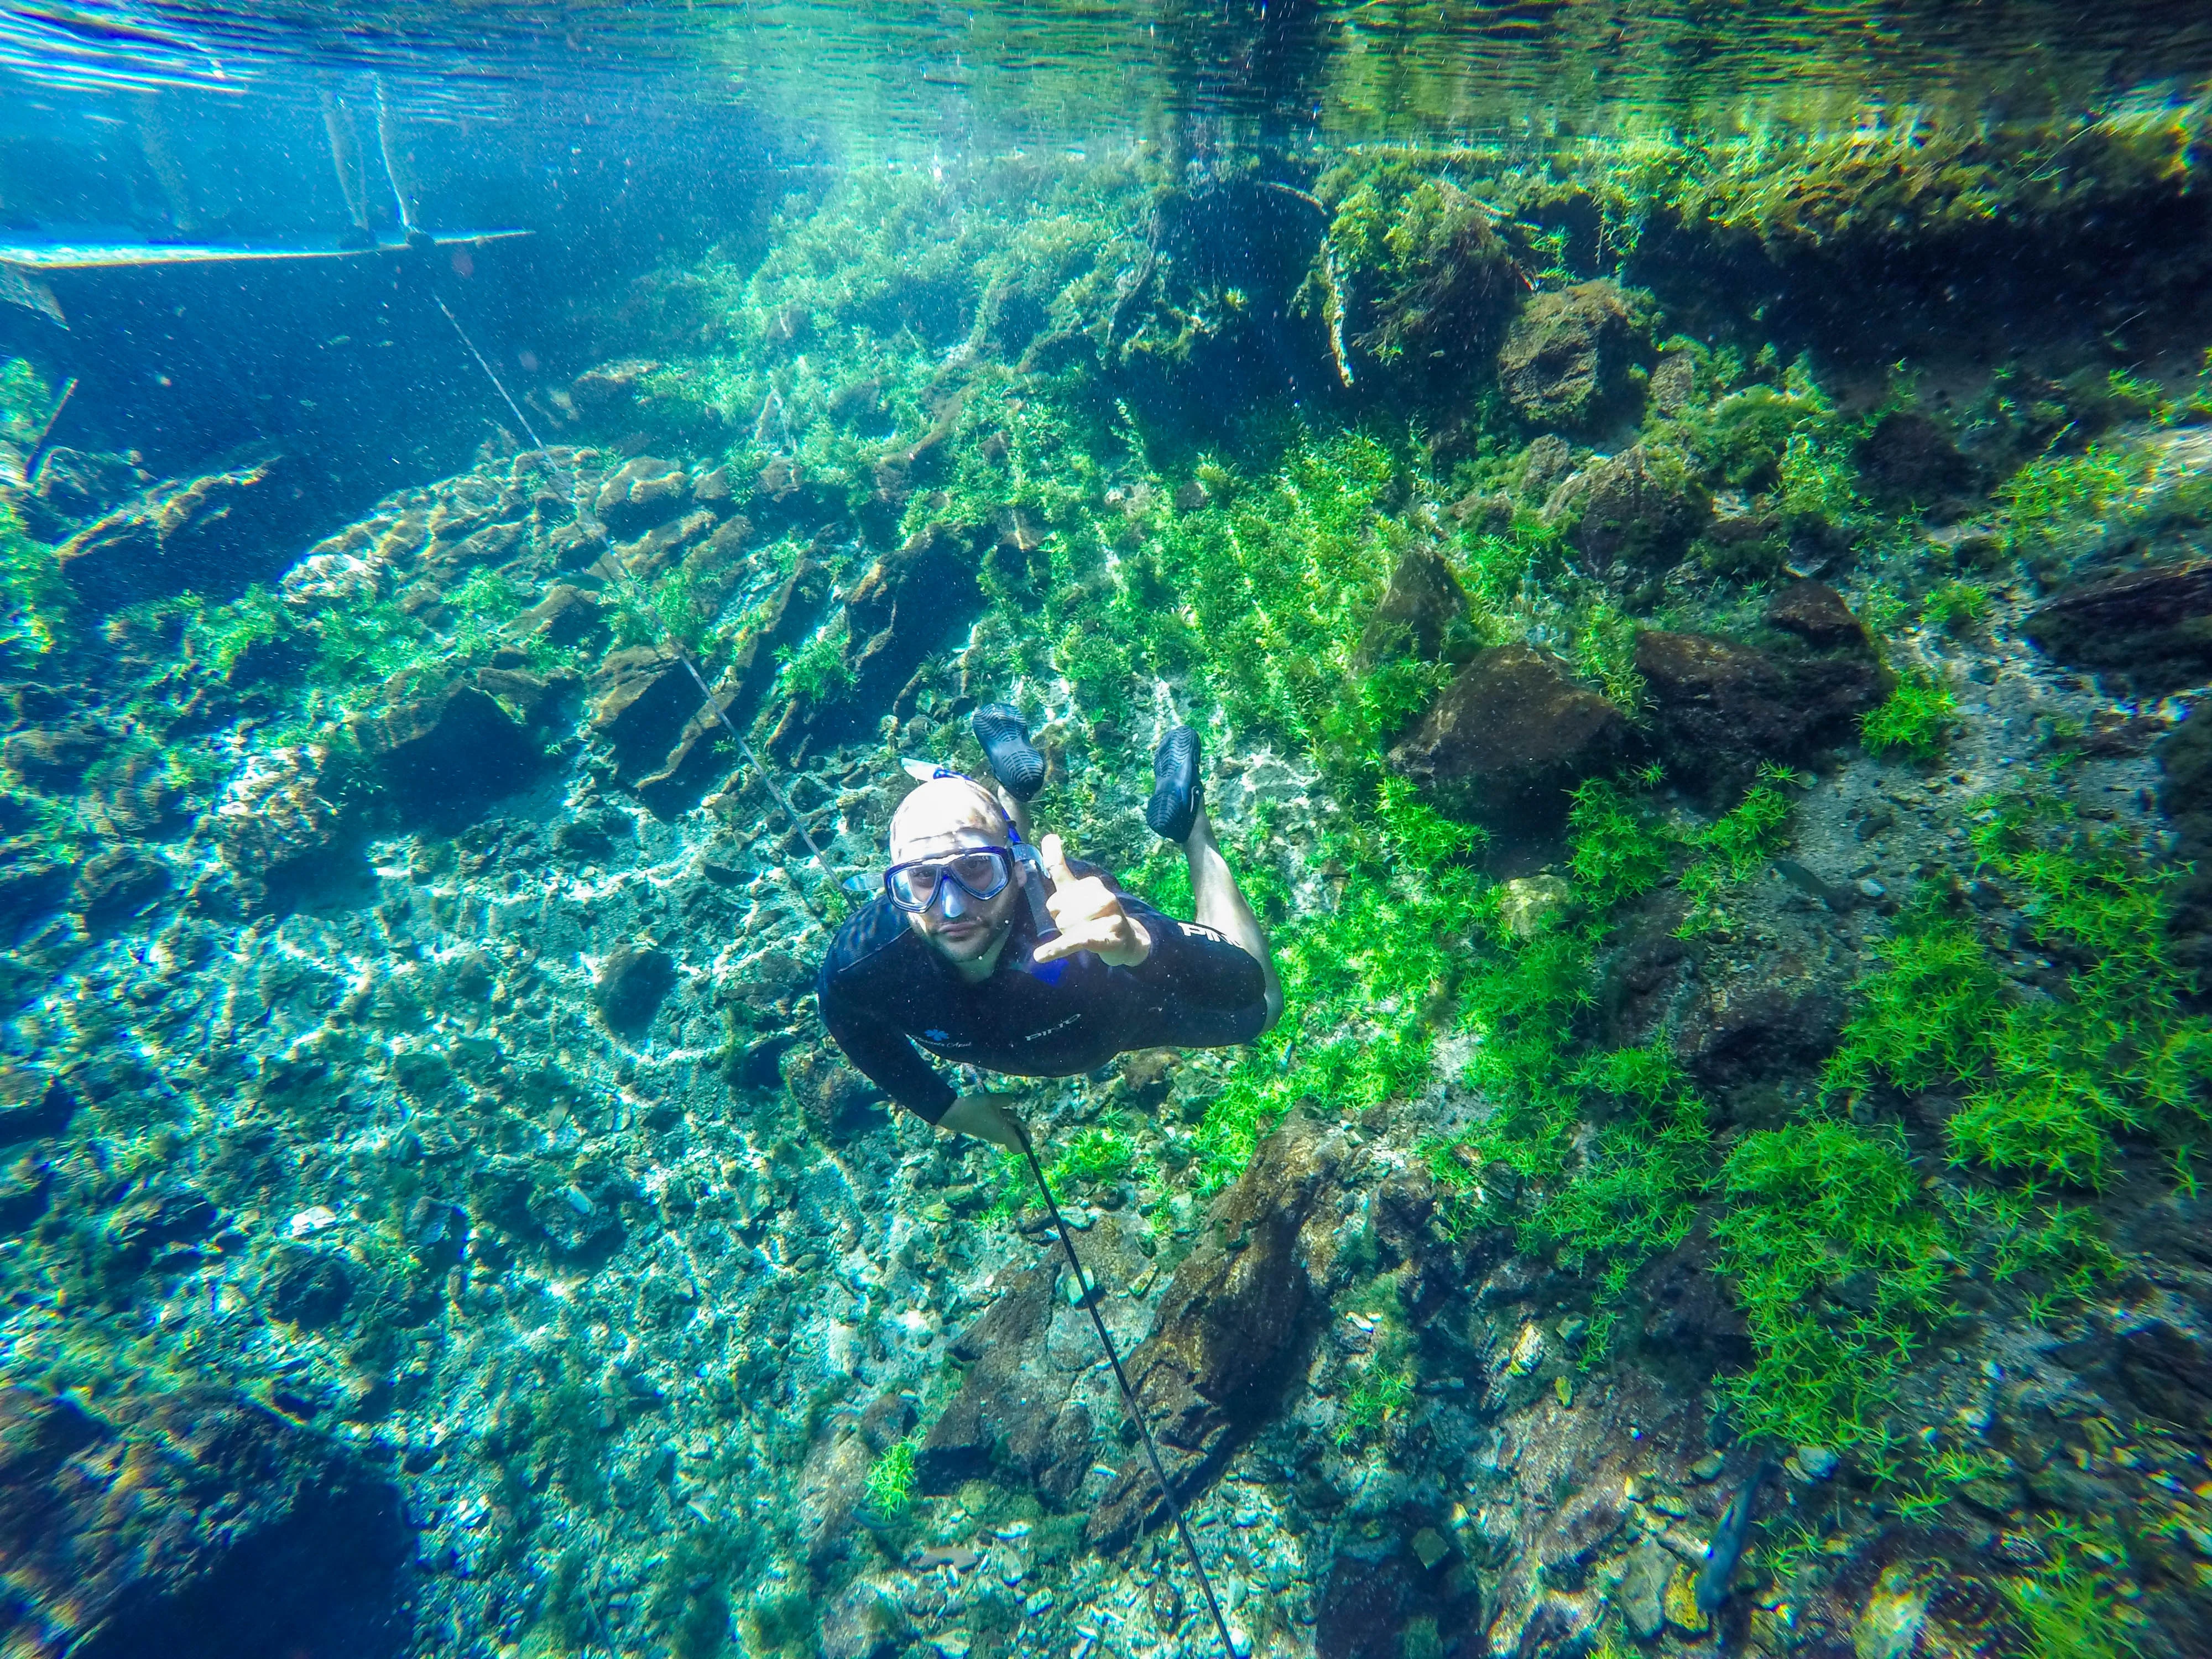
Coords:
pixel 1690 790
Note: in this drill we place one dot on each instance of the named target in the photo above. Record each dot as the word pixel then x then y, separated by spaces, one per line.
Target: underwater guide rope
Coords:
pixel 1129 1395
pixel 614 562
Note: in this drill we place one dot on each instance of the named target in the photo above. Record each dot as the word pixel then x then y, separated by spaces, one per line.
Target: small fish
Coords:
pixel 1808 882
pixel 1729 1539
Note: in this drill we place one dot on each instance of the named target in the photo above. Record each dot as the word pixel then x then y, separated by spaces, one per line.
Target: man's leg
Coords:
pixel 1221 905
pixel 1017 812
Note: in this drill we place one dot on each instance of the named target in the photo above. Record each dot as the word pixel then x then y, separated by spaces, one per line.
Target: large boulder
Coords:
pixel 691 765
pixel 194 1525
pixel 1014 1415
pixel 443 758
pixel 55 757
pixel 2147 631
pixel 1566 360
pixel 632 983
pixel 906 606
pixel 639 494
pixel 116 884
pixel 1506 741
pixel 215 535
pixel 835 1101
pixel 642 697
pixel 2185 795
pixel 277 824
pixel 1720 707
pixel 33 1105
pixel 1230 1323
pixel 1640 507
pixel 1417 612
pixel 1816 615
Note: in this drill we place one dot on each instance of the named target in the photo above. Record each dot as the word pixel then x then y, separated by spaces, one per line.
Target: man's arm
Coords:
pixel 883 1052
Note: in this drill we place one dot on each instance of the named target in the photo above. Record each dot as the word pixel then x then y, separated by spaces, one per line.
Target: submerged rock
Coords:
pixel 836 1101
pixel 1640 507
pixel 1416 614
pixel 698 754
pixel 1720 707
pixel 2184 758
pixel 1215 1364
pixel 193 1525
pixel 442 758
pixel 1910 455
pixel 1505 742
pixel 1380 1590
pixel 644 491
pixel 642 699
pixel 275 824
pixel 33 1103
pixel 905 607
pixel 2148 631
pixel 115 883
pixel 215 535
pixel 1816 613
pixel 1013 1412
pixel 1566 360
pixel 631 985
pixel 55 757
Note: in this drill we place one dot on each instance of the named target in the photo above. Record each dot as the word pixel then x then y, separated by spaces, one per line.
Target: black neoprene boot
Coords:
pixel 1176 792
pixel 1014 759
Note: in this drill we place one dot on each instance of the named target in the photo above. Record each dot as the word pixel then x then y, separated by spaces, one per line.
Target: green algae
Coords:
pixel 35 605
pixel 889 1490
pixel 1915 719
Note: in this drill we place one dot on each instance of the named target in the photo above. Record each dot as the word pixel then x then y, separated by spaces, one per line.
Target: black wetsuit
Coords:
pixel 882 989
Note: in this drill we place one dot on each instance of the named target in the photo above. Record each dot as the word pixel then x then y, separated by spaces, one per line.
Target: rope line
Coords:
pixel 620 569
pixel 1129 1396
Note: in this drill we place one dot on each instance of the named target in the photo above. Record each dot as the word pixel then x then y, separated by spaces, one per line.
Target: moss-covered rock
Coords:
pixel 1640 508
pixel 1506 741
pixel 1568 361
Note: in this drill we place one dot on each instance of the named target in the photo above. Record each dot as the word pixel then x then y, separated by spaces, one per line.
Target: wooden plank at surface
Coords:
pixel 94 256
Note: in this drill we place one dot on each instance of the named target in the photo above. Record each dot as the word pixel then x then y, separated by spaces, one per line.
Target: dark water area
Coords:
pixel 1674 543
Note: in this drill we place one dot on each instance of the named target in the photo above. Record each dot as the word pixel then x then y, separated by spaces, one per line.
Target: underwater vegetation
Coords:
pixel 1735 942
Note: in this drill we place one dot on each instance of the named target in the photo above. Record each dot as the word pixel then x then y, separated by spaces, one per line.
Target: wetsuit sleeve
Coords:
pixel 1192 963
pixel 882 1052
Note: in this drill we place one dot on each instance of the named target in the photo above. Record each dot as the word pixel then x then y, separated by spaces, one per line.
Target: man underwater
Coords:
pixel 958 956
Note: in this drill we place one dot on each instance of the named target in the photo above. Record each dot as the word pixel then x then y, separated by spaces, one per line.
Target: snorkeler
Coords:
pixel 989 949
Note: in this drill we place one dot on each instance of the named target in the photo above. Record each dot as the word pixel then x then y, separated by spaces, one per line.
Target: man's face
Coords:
pixel 956 926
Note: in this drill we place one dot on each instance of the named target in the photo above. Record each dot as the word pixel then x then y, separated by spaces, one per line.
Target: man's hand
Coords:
pixel 986 1116
pixel 1089 915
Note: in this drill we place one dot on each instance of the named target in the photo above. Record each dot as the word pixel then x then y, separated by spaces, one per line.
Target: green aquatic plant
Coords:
pixel 1956 607
pixel 1925 1016
pixel 1098 1155
pixel 34 600
pixel 1839 1269
pixel 222 635
pixel 2117 1053
pixel 1618 849
pixel 25 399
pixel 1409 254
pixel 890 1492
pixel 1383 1392
pixel 817 671
pixel 1734 847
pixel 2069 1604
pixel 2053 491
pixel 1916 718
